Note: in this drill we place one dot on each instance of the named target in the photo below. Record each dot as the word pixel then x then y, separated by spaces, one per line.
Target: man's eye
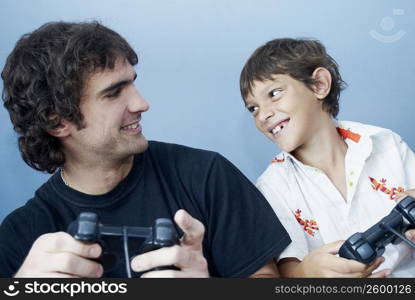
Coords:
pixel 114 94
pixel 252 109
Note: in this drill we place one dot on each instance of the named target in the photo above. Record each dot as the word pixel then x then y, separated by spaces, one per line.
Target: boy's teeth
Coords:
pixel 277 129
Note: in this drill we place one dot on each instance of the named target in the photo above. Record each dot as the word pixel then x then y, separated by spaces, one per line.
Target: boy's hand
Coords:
pixel 410 234
pixel 323 262
pixel 188 256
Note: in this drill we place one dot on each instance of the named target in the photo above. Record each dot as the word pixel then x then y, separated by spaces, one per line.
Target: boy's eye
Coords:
pixel 252 109
pixel 275 92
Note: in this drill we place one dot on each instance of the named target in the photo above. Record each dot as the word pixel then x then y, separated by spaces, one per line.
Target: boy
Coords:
pixel 334 178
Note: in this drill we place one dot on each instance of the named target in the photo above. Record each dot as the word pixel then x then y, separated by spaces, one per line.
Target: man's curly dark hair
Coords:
pixel 44 77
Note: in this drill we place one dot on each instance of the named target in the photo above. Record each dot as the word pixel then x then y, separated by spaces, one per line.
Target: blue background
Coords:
pixel 191 56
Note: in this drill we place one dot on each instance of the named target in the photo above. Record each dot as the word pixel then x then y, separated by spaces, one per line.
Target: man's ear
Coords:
pixel 322 85
pixel 63 129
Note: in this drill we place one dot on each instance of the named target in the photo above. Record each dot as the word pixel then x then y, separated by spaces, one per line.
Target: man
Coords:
pixel 69 89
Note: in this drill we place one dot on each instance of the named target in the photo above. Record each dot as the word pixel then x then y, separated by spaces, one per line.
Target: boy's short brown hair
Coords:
pixel 297 58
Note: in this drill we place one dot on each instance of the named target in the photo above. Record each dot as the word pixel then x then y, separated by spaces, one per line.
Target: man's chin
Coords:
pixel 142 145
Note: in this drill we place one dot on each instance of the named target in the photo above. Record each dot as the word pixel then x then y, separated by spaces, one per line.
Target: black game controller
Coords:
pixel 87 228
pixel 367 246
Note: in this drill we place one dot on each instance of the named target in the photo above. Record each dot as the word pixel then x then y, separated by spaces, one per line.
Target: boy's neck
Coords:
pixel 325 150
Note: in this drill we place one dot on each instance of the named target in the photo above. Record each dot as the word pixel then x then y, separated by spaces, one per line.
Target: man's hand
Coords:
pixel 60 255
pixel 323 262
pixel 188 256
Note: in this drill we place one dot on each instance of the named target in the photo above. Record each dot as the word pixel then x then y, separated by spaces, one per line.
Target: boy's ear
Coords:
pixel 63 129
pixel 322 85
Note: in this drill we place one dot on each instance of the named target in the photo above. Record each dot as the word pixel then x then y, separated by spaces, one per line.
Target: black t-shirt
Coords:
pixel 242 232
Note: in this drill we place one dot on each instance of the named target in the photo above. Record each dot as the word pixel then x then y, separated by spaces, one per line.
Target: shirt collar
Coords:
pixel 354 134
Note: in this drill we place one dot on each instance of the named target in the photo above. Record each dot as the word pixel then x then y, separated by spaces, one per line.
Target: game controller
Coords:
pixel 366 246
pixel 87 228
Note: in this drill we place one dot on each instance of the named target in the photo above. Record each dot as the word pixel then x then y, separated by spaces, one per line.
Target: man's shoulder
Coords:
pixel 19 218
pixel 31 208
pixel 177 151
pixel 191 161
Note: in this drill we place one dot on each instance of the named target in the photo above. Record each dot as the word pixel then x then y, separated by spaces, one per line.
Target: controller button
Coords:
pixel 404 203
pixel 366 253
pixel 355 238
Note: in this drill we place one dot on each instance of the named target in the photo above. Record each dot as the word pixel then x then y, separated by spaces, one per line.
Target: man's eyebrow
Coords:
pixel 116 85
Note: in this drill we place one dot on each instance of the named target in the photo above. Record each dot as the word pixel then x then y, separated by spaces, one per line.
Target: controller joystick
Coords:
pixel 87 228
pixel 366 246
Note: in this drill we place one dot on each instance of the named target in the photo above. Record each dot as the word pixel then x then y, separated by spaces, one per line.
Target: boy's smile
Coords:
pixel 285 110
pixel 276 129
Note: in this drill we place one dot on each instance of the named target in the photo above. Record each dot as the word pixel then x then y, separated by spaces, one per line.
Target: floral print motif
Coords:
pixel 277 160
pixel 310 226
pixel 381 186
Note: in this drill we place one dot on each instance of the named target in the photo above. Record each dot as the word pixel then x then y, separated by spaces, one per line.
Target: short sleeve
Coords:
pixel 277 194
pixel 243 233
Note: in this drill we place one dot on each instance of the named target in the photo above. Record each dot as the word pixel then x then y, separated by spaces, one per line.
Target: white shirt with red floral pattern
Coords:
pixel 379 164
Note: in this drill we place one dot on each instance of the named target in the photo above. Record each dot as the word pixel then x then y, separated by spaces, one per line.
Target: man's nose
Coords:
pixel 137 103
